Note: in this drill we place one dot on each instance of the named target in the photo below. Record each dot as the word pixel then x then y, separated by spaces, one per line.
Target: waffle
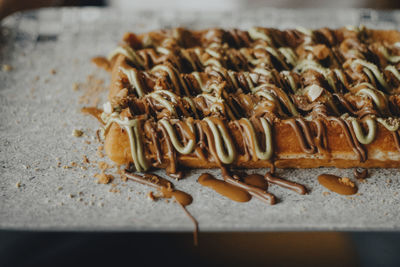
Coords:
pixel 260 98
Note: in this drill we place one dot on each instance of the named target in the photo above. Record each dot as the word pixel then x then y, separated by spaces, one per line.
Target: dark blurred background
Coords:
pixel 26 248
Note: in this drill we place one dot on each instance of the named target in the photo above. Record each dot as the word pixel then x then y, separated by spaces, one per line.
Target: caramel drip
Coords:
pixel 102 62
pixel 298 188
pixel 165 187
pixel 342 186
pixel 95 112
pixel 303 135
pixel 253 190
pixel 256 180
pixel 224 188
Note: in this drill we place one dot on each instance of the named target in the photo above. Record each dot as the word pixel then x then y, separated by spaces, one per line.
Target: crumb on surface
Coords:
pixel 6 67
pixel 53 71
pixel 75 86
pixel 77 133
pixel 151 196
pixel 85 159
pixel 325 193
pixel 103 178
pixel 18 184
pixel 346 181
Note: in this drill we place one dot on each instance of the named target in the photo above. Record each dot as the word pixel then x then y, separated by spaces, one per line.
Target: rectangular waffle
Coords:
pixel 258 98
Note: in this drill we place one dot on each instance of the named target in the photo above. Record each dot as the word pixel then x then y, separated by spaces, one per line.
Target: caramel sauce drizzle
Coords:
pixel 166 188
pixel 342 186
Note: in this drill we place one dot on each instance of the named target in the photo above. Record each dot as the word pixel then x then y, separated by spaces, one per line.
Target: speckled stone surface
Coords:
pixel 39 110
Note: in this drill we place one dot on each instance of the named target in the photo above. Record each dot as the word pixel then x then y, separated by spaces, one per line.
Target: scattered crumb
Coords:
pixel 85 159
pixel 151 196
pixel 77 133
pixel 80 199
pixel 75 86
pixel 388 181
pixel 114 190
pixel 73 164
pixel 346 181
pixel 103 165
pixel 99 152
pixel 53 71
pixel 87 142
pixel 71 196
pixel 80 193
pixel 129 198
pixel 6 67
pixel 101 205
pixel 326 193
pixel 18 185
pixel 103 178
pixel 59 188
pixel 92 89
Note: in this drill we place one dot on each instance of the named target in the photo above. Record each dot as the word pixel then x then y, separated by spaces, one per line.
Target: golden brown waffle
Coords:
pixel 258 98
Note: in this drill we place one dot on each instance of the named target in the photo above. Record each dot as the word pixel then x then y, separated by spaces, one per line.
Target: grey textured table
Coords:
pixel 39 110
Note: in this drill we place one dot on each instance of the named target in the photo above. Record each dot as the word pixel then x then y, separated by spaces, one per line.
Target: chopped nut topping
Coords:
pixel 77 133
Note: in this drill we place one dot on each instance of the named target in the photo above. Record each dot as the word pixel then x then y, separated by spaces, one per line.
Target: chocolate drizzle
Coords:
pixel 303 134
pixel 298 188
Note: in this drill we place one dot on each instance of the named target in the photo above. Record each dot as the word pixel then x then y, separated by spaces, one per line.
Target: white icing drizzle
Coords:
pixel 173 74
pixel 257 33
pixel 361 137
pixel 263 72
pixel 249 80
pixel 379 100
pixel 274 53
pixel 262 155
pixel 308 64
pixel 133 78
pixel 290 106
pixel 216 105
pixel 163 50
pixel 131 127
pixel 308 34
pixel 394 71
pixel 192 106
pixel 129 53
pixel 187 56
pixel 188 148
pixel 213 53
pixel 289 55
pixel 222 144
pixel 213 62
pixel 390 58
pixel 374 69
pixel 340 75
pixel 157 95
pixel 290 79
